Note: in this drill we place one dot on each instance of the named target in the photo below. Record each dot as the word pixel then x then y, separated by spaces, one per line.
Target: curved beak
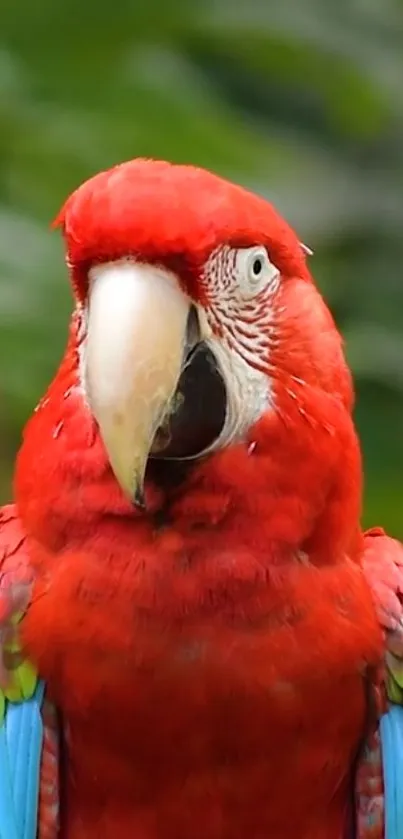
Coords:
pixel 136 340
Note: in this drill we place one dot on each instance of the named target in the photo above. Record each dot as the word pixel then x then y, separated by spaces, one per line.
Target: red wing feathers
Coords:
pixel 383 566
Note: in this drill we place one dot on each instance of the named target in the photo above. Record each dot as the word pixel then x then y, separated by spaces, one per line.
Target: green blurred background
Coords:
pixel 301 101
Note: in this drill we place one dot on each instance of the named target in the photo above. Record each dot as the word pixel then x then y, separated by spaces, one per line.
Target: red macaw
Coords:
pixel 185 547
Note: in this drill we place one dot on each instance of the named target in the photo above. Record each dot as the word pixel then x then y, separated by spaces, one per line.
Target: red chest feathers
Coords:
pixel 194 708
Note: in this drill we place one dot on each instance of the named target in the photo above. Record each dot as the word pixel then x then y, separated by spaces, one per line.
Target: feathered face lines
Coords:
pixel 241 287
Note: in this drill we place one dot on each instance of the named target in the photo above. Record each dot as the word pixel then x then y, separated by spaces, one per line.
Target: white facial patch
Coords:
pixel 249 393
pixel 242 284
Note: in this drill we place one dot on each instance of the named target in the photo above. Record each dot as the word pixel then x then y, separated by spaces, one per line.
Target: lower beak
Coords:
pixel 135 347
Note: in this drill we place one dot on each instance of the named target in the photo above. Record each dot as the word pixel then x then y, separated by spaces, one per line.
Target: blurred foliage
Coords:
pixel 301 101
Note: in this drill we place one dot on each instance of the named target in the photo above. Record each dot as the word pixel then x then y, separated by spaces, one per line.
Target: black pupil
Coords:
pixel 257 266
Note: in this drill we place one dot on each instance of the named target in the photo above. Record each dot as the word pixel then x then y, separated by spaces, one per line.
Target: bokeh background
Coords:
pixel 301 101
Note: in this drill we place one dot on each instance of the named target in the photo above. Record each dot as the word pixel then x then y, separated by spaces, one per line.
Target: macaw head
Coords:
pixel 198 315
pixel 205 378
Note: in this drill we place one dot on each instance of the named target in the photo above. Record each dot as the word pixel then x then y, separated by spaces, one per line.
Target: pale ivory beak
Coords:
pixel 136 330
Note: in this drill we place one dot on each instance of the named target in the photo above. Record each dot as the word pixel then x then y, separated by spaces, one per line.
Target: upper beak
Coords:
pixel 136 340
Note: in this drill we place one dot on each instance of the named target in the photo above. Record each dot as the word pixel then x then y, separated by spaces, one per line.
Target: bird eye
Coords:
pixel 255 271
pixel 257 266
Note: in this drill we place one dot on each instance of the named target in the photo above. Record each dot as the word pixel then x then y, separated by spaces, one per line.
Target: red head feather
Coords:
pixel 173 215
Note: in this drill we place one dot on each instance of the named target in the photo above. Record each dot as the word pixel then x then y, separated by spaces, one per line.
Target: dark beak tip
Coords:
pixel 139 499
